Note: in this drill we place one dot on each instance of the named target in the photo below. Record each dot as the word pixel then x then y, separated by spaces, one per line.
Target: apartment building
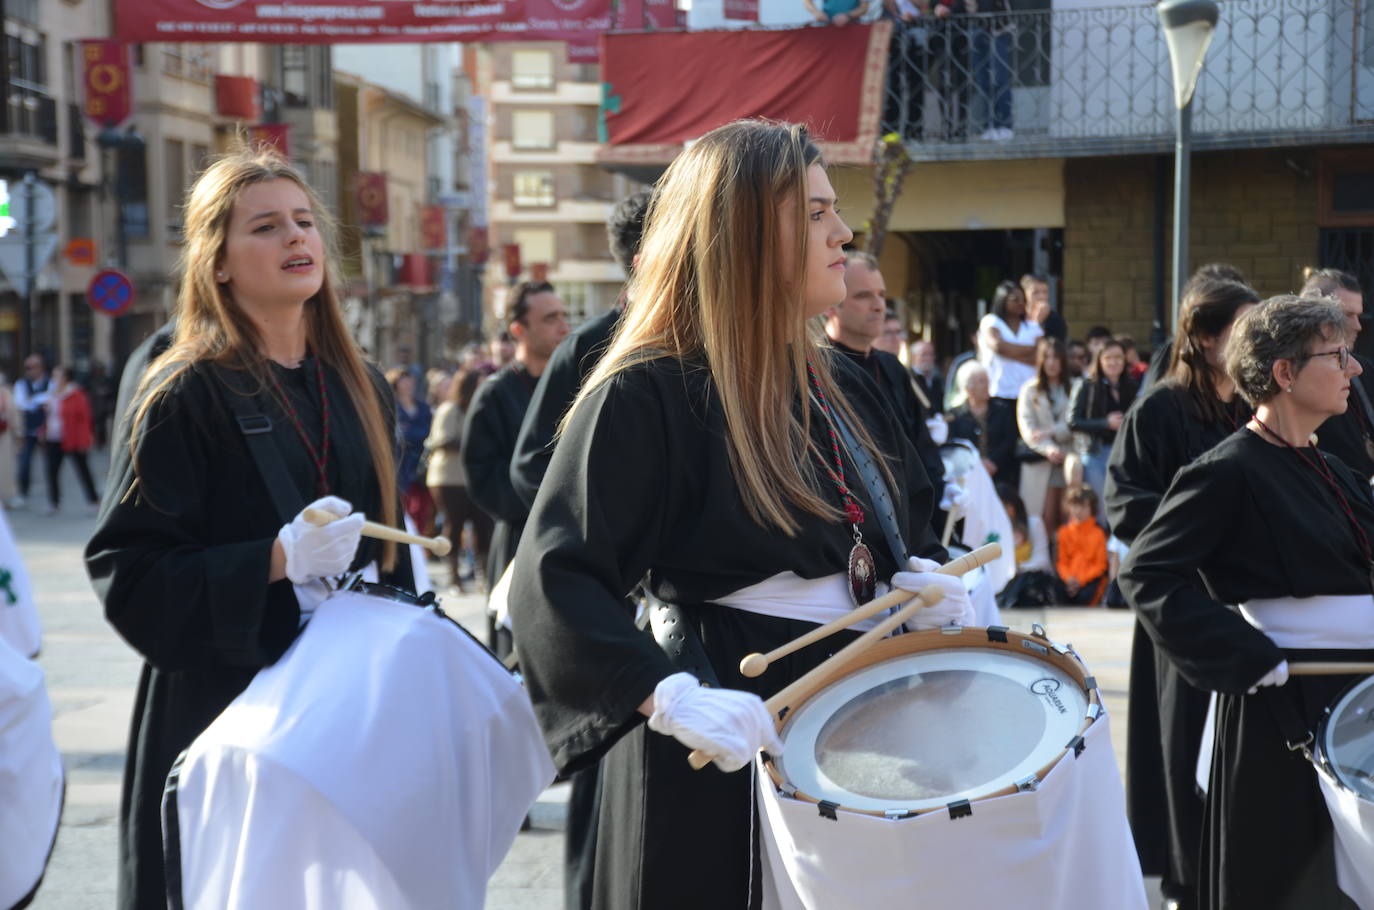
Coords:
pixel 547 195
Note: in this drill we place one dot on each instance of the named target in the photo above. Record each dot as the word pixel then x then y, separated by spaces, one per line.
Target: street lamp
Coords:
pixel 1188 29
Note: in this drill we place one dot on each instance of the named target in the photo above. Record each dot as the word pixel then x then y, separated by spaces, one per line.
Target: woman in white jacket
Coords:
pixel 1042 415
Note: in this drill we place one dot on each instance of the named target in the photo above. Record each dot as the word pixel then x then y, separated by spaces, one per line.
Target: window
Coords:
pixel 534 188
pixel 188 61
pixel 577 298
pixel 307 79
pixel 535 246
pixel 326 184
pixel 532 129
pixel 174 175
pixel 531 70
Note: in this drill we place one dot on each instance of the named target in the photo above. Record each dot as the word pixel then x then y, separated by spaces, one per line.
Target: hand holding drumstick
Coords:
pixel 323 539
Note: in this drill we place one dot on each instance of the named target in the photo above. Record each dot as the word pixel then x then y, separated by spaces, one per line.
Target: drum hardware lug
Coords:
pixel 1077 745
pixel 782 712
pixel 997 634
pixel 1028 784
pixel 1038 631
pixel 960 809
pixel 827 809
pixel 1090 683
pixel 1303 745
pixel 951 629
pixel 1037 648
pixel 787 791
pixel 1094 711
pixel 895 814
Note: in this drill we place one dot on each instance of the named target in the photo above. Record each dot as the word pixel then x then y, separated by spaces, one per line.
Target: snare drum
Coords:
pixel 386 760
pixel 972 768
pixel 1344 756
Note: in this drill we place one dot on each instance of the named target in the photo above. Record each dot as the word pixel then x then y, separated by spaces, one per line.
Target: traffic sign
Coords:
pixel 44 214
pixel 111 292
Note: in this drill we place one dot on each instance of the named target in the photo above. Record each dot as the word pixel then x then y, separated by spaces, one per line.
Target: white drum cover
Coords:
pixel 1346 773
pixel 30 776
pixel 1066 845
pixel 386 761
pixel 978 583
pixel 19 624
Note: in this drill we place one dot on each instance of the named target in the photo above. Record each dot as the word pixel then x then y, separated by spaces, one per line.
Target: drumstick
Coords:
pixel 1334 668
pixel 802 686
pixel 439 546
pixel 754 664
pixel 950 519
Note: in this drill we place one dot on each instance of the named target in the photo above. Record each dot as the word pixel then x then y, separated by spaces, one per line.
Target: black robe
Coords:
pixel 493 422
pixel 640 487
pixel 898 384
pixel 181 566
pixel 1252 521
pixel 1348 435
pixel 574 358
pixel 1161 434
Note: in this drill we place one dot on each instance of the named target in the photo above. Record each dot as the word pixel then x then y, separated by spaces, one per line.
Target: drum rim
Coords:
pixel 998 638
pixel 1322 753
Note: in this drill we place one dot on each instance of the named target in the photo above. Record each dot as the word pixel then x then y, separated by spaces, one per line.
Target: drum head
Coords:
pixel 1347 739
pixel 923 730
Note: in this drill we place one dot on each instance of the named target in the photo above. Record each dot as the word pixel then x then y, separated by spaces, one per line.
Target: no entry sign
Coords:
pixel 111 292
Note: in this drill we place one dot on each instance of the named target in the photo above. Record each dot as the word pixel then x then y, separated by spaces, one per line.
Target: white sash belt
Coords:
pixel 789 596
pixel 1325 621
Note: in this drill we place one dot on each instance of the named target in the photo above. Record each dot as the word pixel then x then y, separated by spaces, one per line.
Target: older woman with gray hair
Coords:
pixel 1268 522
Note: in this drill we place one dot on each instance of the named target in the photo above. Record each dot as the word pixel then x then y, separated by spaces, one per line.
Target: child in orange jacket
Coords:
pixel 1082 561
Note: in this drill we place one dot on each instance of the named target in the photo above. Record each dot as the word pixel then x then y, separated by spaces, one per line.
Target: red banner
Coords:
pixel 357 21
pixel 828 78
pixel 277 135
pixel 743 10
pixel 433 227
pixel 237 97
pixel 372 208
pixel 510 255
pixel 651 15
pixel 478 248
pixel 105 74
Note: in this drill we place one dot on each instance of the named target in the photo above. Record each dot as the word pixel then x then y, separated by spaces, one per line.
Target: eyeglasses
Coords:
pixel 1342 354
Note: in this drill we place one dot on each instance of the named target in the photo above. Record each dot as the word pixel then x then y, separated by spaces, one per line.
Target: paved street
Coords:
pixel 91 677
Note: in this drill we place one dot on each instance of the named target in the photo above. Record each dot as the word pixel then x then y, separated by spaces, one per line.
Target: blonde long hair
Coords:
pixel 212 329
pixel 712 283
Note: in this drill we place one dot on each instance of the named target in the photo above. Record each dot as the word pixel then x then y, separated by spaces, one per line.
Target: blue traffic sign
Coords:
pixel 111 292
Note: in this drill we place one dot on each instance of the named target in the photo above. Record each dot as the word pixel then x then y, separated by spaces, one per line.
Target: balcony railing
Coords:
pixel 1079 81
pixel 33 112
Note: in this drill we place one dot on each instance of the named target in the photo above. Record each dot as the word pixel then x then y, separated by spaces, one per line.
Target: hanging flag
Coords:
pixel 277 135
pixel 105 77
pixel 433 227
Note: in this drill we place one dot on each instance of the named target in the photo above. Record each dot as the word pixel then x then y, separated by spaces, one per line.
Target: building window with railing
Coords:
pixel 307 75
pixel 534 189
pixel 32 109
pixel 532 130
pixel 188 61
pixel 532 70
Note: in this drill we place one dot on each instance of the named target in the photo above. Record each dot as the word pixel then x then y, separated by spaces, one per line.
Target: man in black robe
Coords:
pixel 1348 436
pixel 572 361
pixel 538 321
pixel 853 326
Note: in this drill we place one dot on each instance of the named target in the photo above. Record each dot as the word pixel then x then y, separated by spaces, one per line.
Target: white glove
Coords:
pixel 954 495
pixel 1275 677
pixel 727 724
pixel 939 430
pixel 319 551
pixel 955 607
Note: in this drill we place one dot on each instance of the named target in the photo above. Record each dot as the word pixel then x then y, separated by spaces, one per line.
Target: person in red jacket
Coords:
pixel 69 433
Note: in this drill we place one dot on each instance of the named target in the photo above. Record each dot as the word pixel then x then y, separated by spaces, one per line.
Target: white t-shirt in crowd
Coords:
pixel 1005 376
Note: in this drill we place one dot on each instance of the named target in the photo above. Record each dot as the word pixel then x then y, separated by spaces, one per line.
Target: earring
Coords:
pixel 220 276
pixel 1290 390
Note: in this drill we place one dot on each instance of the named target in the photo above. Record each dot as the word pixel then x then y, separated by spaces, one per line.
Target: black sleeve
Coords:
pixel 403 574
pixel 180 601
pixel 1080 420
pixel 487 446
pixel 1141 466
pixel 1212 645
pixel 592 535
pixel 553 394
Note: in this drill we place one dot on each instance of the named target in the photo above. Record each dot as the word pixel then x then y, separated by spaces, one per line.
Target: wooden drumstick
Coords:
pixel 439 546
pixel 950 518
pixel 808 682
pixel 754 664
pixel 1334 668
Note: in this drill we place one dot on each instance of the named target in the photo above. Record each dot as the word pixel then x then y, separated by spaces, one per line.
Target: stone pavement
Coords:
pixel 91 676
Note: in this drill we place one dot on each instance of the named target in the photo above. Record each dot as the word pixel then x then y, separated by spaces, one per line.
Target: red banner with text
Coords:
pixel 372 201
pixel 358 21
pixel 105 76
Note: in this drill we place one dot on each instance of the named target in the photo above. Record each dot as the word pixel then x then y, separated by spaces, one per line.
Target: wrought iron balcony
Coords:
pixel 1066 82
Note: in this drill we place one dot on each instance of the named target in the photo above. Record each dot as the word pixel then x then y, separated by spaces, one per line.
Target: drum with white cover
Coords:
pixel 386 761
pixel 1344 755
pixel 31 777
pixel 972 767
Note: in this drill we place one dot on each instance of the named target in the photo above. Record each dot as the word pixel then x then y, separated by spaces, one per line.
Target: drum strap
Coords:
pixel 1297 736
pixel 678 639
pixel 877 491
pixel 257 435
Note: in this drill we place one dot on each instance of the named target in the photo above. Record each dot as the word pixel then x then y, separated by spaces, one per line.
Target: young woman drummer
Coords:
pixel 1191 410
pixel 1268 522
pixel 191 559
pixel 705 455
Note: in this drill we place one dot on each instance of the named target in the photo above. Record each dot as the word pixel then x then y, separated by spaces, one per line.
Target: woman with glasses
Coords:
pixel 1194 407
pixel 1268 522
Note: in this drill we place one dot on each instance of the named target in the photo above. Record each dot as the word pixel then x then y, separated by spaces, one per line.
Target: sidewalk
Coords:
pixel 92 675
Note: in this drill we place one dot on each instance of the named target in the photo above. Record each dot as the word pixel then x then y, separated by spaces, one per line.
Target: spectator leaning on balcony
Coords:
pixel 990 44
pixel 908 59
pixel 837 12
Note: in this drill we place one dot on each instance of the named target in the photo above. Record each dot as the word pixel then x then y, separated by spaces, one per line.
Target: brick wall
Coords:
pixel 1253 209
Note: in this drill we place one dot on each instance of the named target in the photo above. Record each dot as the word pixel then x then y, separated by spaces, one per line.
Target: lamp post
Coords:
pixel 1188 29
